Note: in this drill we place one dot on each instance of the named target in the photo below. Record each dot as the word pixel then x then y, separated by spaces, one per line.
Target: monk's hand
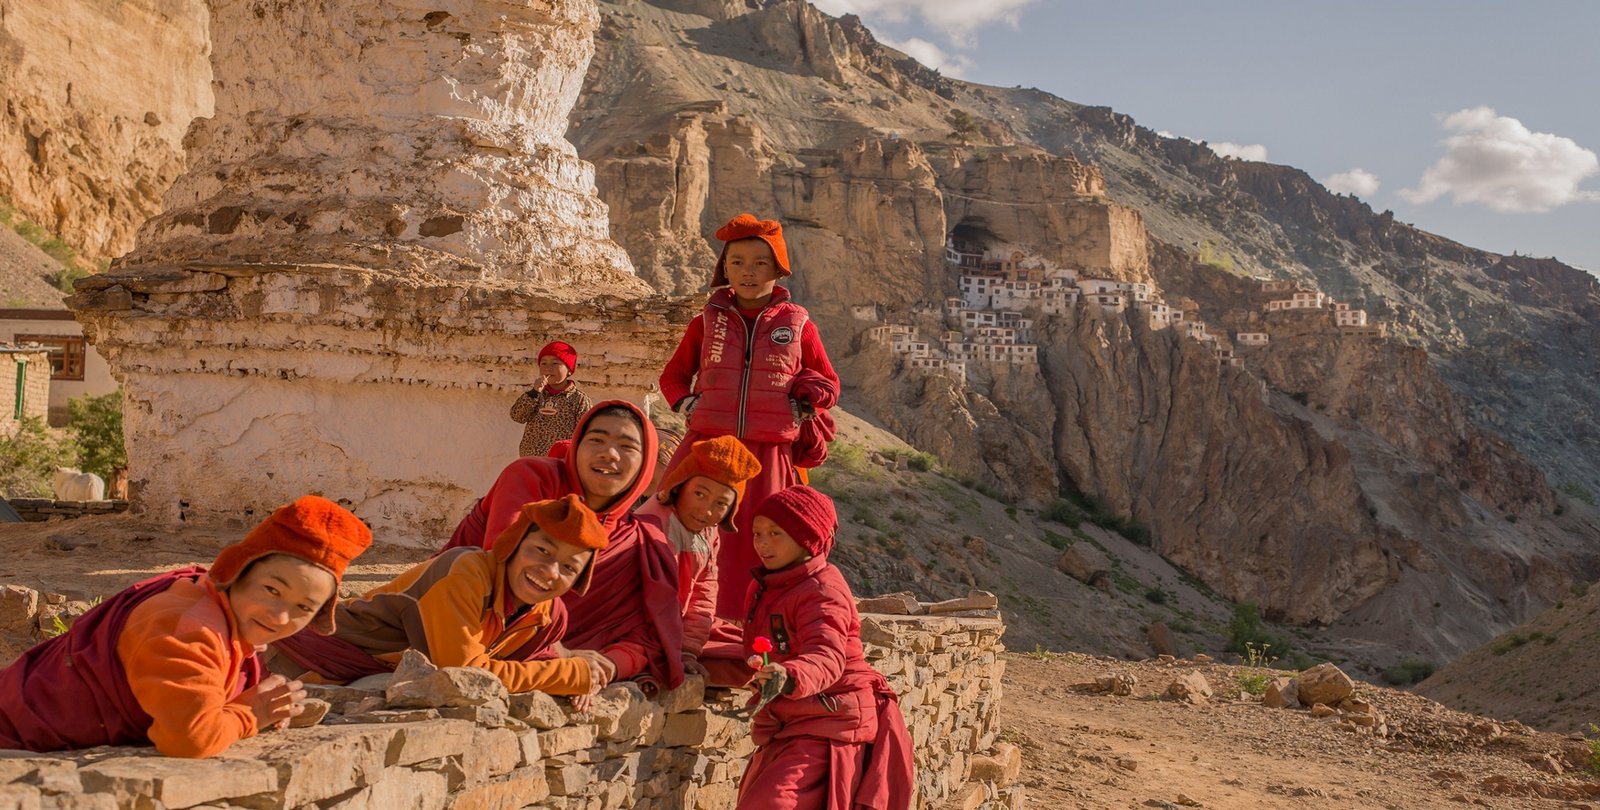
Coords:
pixel 601 668
pixel 273 701
pixel 692 666
pixel 767 673
pixel 584 703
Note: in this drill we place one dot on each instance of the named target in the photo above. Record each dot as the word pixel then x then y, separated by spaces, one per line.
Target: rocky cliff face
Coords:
pixel 1330 479
pixel 97 98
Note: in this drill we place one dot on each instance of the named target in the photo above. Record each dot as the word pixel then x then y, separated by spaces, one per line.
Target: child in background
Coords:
pixel 172 660
pixel 835 738
pixel 631 613
pixel 697 497
pixel 497 609
pixel 551 408
pixel 735 374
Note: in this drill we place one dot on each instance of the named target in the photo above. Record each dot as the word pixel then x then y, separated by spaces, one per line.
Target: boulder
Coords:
pixel 1282 693
pixel 1162 640
pixel 19 607
pixel 1085 562
pixel 1190 687
pixel 1324 683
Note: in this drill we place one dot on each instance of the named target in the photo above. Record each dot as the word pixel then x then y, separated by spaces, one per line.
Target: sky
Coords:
pixel 1478 121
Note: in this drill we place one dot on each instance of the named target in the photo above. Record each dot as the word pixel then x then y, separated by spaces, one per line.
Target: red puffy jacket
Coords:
pixel 745 371
pixel 807 611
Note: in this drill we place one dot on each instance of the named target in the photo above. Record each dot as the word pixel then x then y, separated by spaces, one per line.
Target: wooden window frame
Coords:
pixel 68 354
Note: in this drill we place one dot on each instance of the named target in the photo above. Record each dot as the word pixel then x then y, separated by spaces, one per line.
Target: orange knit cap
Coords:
pixel 724 460
pixel 313 529
pixel 567 519
pixel 746 226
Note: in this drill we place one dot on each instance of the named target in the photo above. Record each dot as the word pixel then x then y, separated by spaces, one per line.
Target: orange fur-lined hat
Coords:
pixel 724 460
pixel 746 226
pixel 313 529
pixel 566 519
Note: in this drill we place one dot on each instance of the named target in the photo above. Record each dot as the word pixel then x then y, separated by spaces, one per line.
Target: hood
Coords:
pixel 623 504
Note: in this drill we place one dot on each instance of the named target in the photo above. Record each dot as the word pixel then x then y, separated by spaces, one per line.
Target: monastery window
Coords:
pixel 67 354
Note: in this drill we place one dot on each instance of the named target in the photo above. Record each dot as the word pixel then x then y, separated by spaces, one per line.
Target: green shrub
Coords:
pixel 1246 630
pixel 29 458
pixel 849 457
pixel 1156 595
pixel 1062 511
pixel 1409 671
pixel 1254 683
pixel 1578 491
pixel 96 425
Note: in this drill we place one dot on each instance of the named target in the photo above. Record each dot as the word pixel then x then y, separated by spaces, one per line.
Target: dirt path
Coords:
pixel 1083 750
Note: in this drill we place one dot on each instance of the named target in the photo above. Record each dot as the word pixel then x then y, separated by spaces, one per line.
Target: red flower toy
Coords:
pixel 762 645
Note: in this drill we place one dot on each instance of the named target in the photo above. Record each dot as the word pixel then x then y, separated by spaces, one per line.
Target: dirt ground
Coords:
pixel 1085 750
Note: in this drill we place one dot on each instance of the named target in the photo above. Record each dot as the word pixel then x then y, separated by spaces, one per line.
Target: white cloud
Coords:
pixel 1242 151
pixel 955 19
pixel 1496 161
pixel 1359 182
pixel 950 64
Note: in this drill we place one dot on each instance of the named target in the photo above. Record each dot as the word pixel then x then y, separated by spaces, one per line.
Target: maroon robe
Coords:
pixel 72 691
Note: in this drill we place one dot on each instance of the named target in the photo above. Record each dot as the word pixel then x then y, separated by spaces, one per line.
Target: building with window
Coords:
pixel 1252 338
pixel 76 369
pixel 25 373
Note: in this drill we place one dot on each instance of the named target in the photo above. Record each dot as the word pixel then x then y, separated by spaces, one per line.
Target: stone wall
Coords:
pixel 378 751
pixel 36 510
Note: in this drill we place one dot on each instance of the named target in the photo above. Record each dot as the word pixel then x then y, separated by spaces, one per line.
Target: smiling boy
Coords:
pixel 171 661
pixel 497 609
pixel 697 497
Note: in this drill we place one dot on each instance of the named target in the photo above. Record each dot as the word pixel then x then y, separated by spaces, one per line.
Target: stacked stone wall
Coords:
pixel 673 752
pixel 36 510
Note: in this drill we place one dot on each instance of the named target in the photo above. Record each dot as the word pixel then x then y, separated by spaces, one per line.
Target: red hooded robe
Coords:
pixel 630 611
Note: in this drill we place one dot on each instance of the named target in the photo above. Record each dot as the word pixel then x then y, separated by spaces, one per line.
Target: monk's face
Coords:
pixel 703 503
pixel 544 568
pixel 608 457
pixel 277 597
pixel 774 545
pixel 752 270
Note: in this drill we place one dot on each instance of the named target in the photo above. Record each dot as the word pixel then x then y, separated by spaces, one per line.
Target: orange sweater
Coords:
pixel 184 665
pixel 457 602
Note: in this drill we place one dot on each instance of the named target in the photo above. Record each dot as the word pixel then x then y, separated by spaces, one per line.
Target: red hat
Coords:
pixel 746 226
pixel 561 351
pixel 313 529
pixel 805 514
pixel 566 519
pixel 723 460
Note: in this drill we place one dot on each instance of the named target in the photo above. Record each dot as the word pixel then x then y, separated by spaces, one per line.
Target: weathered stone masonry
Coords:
pixel 672 752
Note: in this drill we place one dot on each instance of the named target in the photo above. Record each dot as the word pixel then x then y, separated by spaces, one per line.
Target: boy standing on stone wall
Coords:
pixel 752 366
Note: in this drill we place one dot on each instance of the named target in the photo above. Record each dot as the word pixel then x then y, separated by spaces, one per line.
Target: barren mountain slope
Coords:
pixel 1545 672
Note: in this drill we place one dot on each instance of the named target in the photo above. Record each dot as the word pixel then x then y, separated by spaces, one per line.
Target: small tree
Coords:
pixel 96 425
pixel 29 458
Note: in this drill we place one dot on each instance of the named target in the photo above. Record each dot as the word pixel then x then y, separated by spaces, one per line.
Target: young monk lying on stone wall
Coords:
pixel 497 609
pixel 630 614
pixel 172 660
